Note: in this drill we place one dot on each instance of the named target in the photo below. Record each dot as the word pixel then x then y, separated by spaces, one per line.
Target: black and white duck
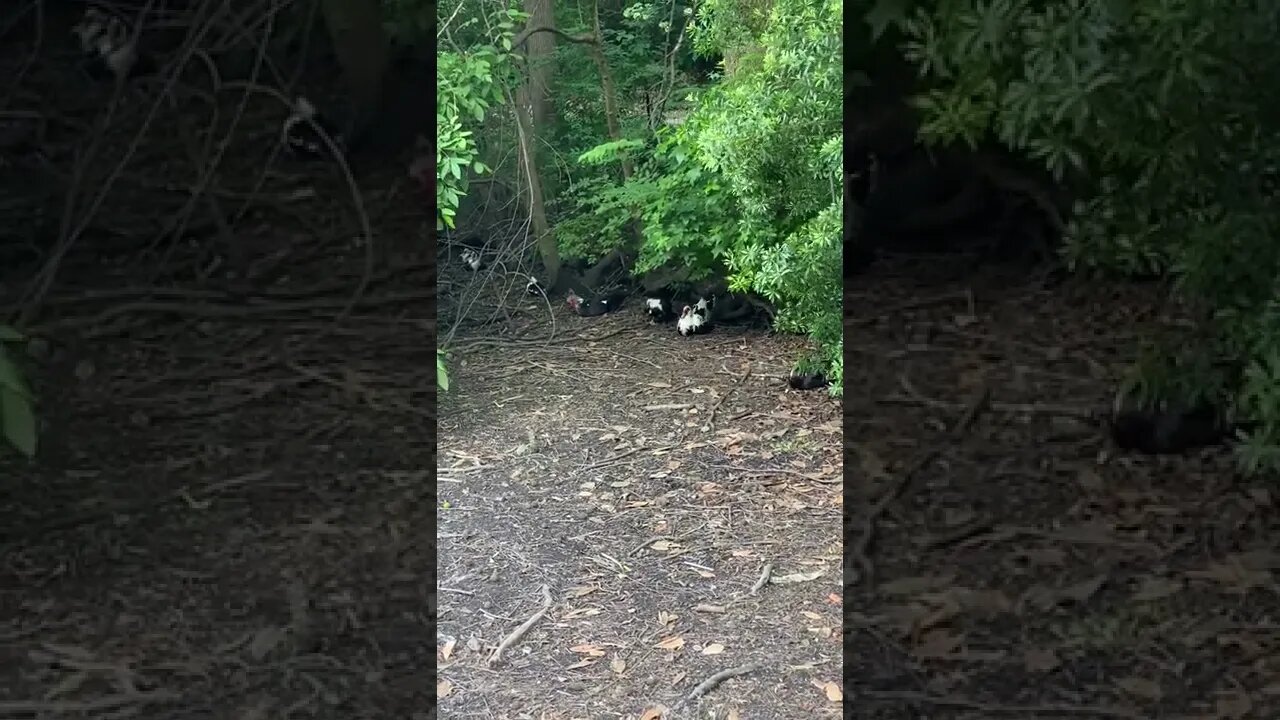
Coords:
pixel 660 308
pixel 111 45
pixel 692 323
pixel 304 131
pixel 599 305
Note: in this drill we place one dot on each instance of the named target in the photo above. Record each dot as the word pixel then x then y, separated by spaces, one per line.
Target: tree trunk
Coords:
pixel 547 247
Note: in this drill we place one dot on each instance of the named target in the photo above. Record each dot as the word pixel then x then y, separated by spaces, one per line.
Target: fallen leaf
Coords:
pixel 447 649
pixel 732 714
pixel 1233 705
pixel 444 688
pixel 664 545
pixel 617 665
pixel 653 713
pixel 834 694
pixel 811 615
pixel 834 599
pixel 584 662
pixel 666 618
pixel 264 641
pixel 796 577
pixel 1082 591
pixel 713 649
pixel 675 642
pixel 591 650
pixel 1154 588
pixel 938 643
pixel 581 590
pixel 1040 660
pixel 1141 688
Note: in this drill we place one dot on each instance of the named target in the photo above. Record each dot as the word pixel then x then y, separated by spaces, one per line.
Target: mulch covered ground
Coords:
pixel 230 511
pixel 634 523
pixel 1003 560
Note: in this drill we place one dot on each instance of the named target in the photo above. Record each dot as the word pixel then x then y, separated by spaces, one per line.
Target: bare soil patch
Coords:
pixel 668 502
pixel 1016 566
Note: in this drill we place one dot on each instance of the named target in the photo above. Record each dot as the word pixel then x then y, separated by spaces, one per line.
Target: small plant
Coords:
pixel 17 419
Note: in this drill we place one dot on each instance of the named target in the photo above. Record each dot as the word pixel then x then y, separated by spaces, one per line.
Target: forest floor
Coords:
pixel 1004 561
pixel 229 515
pixel 664 511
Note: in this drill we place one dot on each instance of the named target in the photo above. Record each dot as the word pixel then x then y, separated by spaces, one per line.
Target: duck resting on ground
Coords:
pixel 1167 428
pixel 660 308
pixel 472 260
pixel 302 131
pixel 109 42
pixel 596 306
pixel 806 381
pixel 691 323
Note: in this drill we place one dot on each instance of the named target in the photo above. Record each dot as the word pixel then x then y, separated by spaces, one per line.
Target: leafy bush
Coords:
pixel 1158 112
pixel 17 420
pixel 752 180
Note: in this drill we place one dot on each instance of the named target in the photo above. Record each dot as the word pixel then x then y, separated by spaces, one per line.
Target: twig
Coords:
pixel 668 406
pixel 764 578
pixel 863 542
pixel 519 632
pixel 711 420
pixel 710 683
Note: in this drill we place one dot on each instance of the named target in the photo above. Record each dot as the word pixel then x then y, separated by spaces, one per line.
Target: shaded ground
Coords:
pixel 1016 566
pixel 637 486
pixel 229 515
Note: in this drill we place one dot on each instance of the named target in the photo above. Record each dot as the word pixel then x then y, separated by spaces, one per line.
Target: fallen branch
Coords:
pixel 711 420
pixel 710 683
pixel 764 578
pixel 863 541
pixel 519 632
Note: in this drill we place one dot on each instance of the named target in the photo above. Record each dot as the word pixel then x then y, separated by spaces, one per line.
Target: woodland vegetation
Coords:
pixel 710 141
pixel 1155 121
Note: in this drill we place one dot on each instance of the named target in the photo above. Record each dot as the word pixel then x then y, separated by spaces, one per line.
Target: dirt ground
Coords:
pixel 230 513
pixel 1003 561
pixel 663 512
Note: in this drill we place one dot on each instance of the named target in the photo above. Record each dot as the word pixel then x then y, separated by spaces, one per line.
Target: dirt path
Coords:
pixel 1017 568
pixel 668 502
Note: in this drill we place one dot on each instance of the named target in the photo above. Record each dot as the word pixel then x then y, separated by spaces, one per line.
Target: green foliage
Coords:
pixel 442 375
pixel 17 419
pixel 751 180
pixel 468 82
pixel 1159 112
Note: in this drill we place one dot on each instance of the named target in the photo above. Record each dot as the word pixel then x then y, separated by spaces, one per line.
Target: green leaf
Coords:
pixel 18 420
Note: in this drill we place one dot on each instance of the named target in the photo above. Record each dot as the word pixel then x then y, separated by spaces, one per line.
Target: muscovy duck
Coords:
pixel 1166 428
pixel 691 323
pixel 660 308
pixel 472 259
pixel 110 44
pixel 301 133
pixel 702 308
pixel 533 287
pixel 596 306
pixel 806 381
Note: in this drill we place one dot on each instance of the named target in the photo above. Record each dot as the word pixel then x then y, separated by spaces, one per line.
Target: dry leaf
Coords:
pixel 584 662
pixel 796 577
pixel 444 688
pixel 713 649
pixel 664 545
pixel 732 714
pixel 834 599
pixel 811 615
pixel 447 649
pixel 666 618
pixel 1233 705
pixel 675 642
pixel 1141 688
pixel 1040 660
pixel 1082 591
pixel 1154 588
pixel 833 692
pixel 653 713
pixel 591 650
pixel 617 665
pixel 939 643
pixel 580 590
